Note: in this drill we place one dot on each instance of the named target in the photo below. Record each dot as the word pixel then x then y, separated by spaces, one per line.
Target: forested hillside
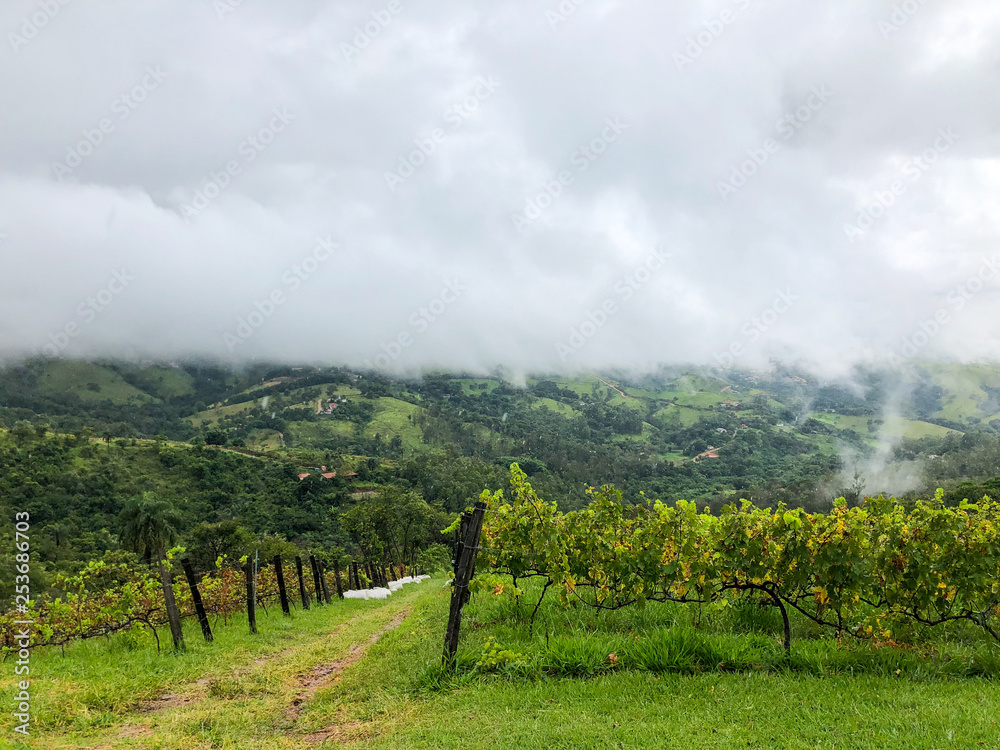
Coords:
pixel 331 458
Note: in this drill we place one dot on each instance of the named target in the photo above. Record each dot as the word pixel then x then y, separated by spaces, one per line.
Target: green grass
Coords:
pixel 689 712
pixel 694 383
pixel 637 404
pixel 647 435
pixel 165 382
pixel 843 422
pixel 674 458
pixel 470 386
pixel 316 433
pixel 238 686
pixel 90 382
pixel 580 386
pixel 212 416
pixel 962 384
pixel 391 419
pixel 557 406
pixel 669 688
pixel 686 416
pixel 264 440
pixel 701 399
pixel 722 684
pixel 909 428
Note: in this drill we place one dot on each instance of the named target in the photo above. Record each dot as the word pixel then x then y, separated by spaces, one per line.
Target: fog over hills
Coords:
pixel 550 186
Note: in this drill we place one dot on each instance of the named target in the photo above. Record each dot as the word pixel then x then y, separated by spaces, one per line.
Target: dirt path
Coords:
pixel 173 700
pixel 273 692
pixel 323 674
pixel 615 387
pixel 309 683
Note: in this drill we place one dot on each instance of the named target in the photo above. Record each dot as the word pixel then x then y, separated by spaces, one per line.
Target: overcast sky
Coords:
pixel 543 185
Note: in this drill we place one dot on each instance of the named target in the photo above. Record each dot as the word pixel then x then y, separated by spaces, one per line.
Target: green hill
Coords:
pixel 779 435
pixel 89 382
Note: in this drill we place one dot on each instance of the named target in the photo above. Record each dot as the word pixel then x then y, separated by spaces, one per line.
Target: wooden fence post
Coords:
pixel 322 578
pixel 460 539
pixel 463 574
pixel 251 597
pixel 336 576
pixel 303 592
pixel 199 607
pixel 316 581
pixel 282 594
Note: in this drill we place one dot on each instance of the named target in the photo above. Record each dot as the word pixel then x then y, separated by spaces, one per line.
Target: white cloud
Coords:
pixel 655 185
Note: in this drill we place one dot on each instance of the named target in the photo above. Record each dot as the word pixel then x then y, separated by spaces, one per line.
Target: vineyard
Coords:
pixel 878 572
pixel 648 602
pixel 105 599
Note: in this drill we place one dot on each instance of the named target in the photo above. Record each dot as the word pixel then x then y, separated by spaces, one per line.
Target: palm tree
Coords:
pixel 148 526
pixel 60 532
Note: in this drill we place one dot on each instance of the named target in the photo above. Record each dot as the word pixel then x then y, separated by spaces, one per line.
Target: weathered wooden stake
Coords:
pixel 199 607
pixel 460 586
pixel 282 594
pixel 251 597
pixel 460 539
pixel 319 586
pixel 322 577
pixel 303 591
pixel 336 576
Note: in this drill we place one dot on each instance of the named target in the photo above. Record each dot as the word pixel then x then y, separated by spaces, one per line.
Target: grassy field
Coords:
pixel 897 427
pixel 474 386
pixel 581 386
pixel 637 404
pixel 686 416
pixel 165 382
pixel 699 399
pixel 962 384
pixel 843 422
pixel 393 417
pixel 211 417
pixel 647 435
pixel 557 406
pixel 316 433
pixel 265 691
pixel 368 674
pixel 91 382
pixel 911 428
pixel 264 440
